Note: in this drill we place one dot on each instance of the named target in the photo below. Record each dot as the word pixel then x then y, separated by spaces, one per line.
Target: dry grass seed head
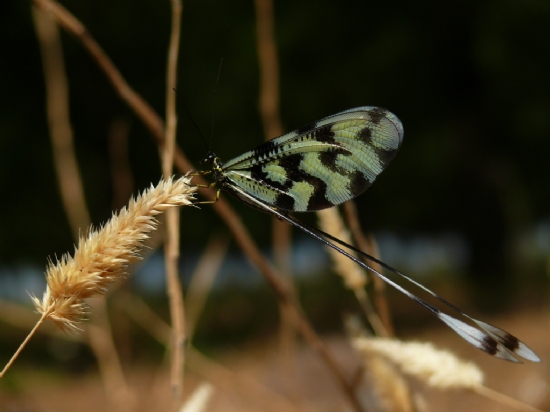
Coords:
pixel 102 256
pixel 437 368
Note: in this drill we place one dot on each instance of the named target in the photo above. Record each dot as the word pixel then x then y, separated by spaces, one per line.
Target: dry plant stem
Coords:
pixel 145 317
pixel 20 316
pixel 70 182
pixel 355 277
pixel 505 400
pixel 142 109
pixel 44 316
pixel 156 126
pixel 388 387
pixel 265 399
pixel 196 361
pixel 171 244
pixel 101 341
pixel 61 132
pixel 203 279
pixel 369 246
pixel 369 311
pixel 133 99
pixel 269 69
pixel 271 121
pixel 171 257
pixel 346 385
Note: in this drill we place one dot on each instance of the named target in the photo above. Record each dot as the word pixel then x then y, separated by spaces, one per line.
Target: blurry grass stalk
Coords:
pixel 269 98
pixel 435 368
pixel 102 257
pixel 172 241
pixel 353 275
pixel 61 132
pixel 387 388
pixel 369 245
pixel 202 281
pixel 225 380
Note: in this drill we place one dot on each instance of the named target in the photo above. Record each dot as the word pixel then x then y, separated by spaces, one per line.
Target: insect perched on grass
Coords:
pixel 324 164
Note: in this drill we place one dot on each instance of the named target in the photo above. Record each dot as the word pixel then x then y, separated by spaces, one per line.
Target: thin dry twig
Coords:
pixel 202 280
pixel 24 343
pixel 271 119
pixel 269 69
pixel 144 316
pixel 100 339
pixel 171 244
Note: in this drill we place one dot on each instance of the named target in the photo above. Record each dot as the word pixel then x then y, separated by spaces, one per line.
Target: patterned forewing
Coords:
pixel 322 164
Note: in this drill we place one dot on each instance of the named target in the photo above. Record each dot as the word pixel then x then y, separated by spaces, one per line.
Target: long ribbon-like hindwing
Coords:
pixel 326 163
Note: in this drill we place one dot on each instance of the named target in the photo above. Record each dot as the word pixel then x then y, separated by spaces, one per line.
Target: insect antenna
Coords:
pixel 214 102
pixel 192 121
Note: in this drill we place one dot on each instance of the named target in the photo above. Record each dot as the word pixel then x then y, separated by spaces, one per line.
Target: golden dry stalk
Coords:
pixel 331 222
pixel 102 256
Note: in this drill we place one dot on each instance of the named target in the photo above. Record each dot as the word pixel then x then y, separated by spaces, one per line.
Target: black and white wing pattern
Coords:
pixel 320 165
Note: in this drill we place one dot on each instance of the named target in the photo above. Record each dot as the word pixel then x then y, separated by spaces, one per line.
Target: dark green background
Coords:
pixel 468 79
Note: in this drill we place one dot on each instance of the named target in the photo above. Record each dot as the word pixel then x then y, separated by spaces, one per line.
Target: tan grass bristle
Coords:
pixel 436 368
pixel 102 256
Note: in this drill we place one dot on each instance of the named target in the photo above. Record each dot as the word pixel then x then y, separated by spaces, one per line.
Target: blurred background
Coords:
pixel 463 208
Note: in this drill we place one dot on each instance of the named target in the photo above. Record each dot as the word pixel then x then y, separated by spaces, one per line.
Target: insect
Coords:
pixel 324 164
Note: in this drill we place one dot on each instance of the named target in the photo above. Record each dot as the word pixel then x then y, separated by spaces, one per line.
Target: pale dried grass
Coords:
pixel 102 256
pixel 434 367
pixel 331 222
pixel 437 368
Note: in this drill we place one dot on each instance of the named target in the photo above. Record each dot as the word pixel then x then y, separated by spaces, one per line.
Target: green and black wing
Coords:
pixel 320 165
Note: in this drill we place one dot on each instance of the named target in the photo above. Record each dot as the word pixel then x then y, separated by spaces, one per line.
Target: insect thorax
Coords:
pixel 217 171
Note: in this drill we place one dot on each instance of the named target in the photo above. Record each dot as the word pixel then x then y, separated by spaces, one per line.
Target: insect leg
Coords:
pixel 209 202
pixel 200 173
